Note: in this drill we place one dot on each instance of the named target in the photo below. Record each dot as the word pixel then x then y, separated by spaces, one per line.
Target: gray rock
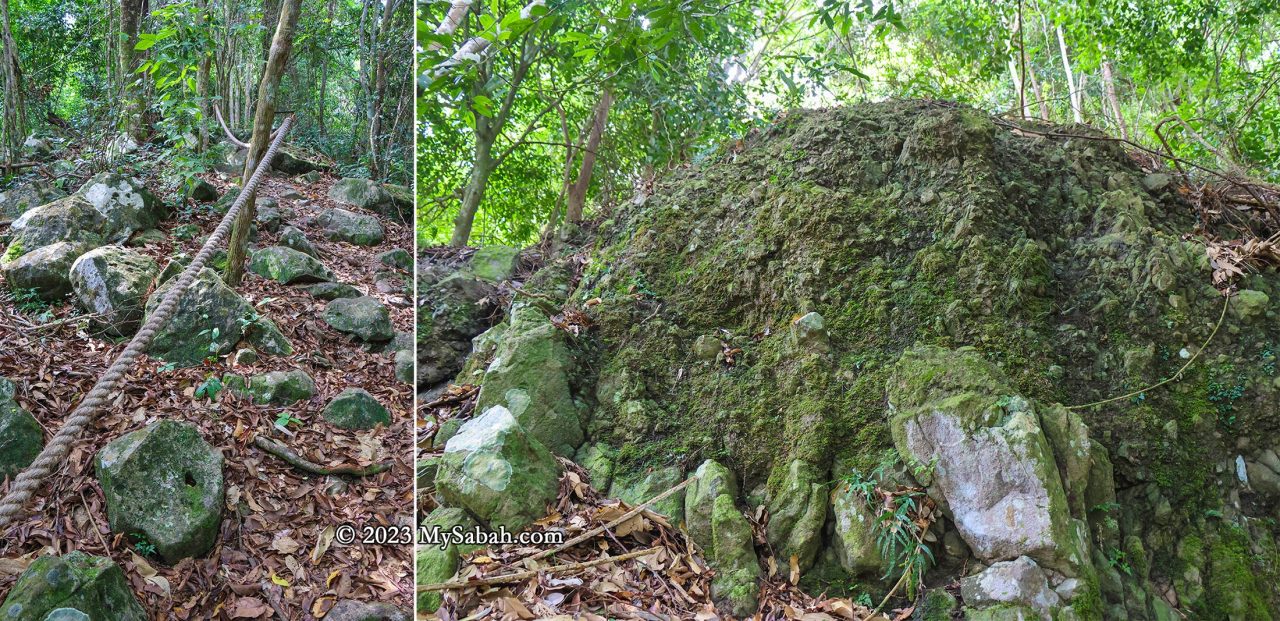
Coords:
pixel 21 437
pixel 263 333
pixel 398 258
pixel 854 533
pixel 267 215
pixel 635 488
pixel 293 238
pixel 288 266
pixel 798 510
pixel 1018 582
pixel 165 483
pixel 369 195
pixel 174 267
pixel 352 610
pixel 18 200
pixel 112 282
pixel 700 496
pixel 493 263
pixel 347 226
pixel 206 321
pixel 355 408
pixel 280 387
pixel 497 472
pixel 438 562
pixel 332 291
pixel 364 317
pixel 45 269
pixel 92 585
pixel 736 583
pixel 452 311
pixel 404 366
pixel 109 208
pixel 809 333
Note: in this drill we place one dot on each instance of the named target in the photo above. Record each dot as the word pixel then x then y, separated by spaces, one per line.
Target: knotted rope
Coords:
pixel 25 485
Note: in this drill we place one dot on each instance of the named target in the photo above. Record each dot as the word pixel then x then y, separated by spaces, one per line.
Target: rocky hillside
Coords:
pixel 172 505
pixel 887 319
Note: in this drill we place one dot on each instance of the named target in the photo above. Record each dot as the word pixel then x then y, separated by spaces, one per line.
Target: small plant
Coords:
pixel 1117 560
pixel 285 419
pixel 209 388
pixel 142 546
pixel 902 515
pixel 1268 361
pixel 864 600
pixel 214 347
pixel 28 302
pixel 12 252
pixel 168 367
pixel 1223 391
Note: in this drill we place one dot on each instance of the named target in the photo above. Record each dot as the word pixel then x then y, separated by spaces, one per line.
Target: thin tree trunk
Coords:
pixel 15 126
pixel 578 193
pixel 202 82
pixel 374 109
pixel 1072 91
pixel 268 89
pixel 1041 104
pixel 130 22
pixel 476 185
pixel 1108 80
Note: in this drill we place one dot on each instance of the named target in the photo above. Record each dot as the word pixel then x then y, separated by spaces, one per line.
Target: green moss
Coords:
pixel 1233 584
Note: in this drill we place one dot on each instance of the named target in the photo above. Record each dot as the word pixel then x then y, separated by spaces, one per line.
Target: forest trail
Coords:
pixel 329 392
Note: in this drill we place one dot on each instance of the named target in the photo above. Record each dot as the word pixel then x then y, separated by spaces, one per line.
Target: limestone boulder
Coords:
pixel 288 266
pixel 364 317
pixel 21 437
pixel 355 408
pixel 351 227
pixel 208 320
pixel 91 585
pixel 18 200
pixel 112 283
pixel 46 270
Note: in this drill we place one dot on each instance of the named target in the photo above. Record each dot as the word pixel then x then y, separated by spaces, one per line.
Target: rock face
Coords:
pixel 351 227
pixel 364 317
pixel 369 195
pixel 108 208
pixel 452 311
pixel 288 266
pixel 438 562
pixel 21 438
pixel 206 321
pixel 529 376
pixel 279 387
pixel 113 283
pixel 995 471
pixel 46 269
pixel 493 263
pixel 355 408
pixel 18 200
pixel 497 472
pixel 165 483
pixel 92 585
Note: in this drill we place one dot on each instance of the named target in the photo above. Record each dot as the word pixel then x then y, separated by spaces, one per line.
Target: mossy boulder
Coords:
pixel 291 237
pixel 355 408
pixel 498 472
pixel 1019 582
pixel 364 317
pixel 280 387
pixel 164 482
pixel 332 291
pixel 263 333
pixel 351 227
pixel 453 309
pixel 398 258
pixel 294 160
pixel 598 460
pixel 108 208
pixel 635 488
pixel 493 263
pixel 855 533
pixel 288 266
pixel 112 283
pixel 529 376
pixel 21 437
pixel 18 200
pixel 45 270
pixel 713 480
pixel 736 583
pixel 369 195
pixel 798 509
pixel 174 267
pixel 438 561
pixel 92 585
pixel 200 191
pixel 206 321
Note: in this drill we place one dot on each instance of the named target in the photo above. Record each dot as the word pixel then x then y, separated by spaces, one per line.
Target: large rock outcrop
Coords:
pixel 108 208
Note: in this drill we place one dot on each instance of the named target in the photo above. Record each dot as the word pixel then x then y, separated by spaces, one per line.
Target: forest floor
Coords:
pixel 275 553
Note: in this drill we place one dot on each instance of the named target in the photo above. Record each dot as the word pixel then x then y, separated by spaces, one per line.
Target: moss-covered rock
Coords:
pixel 293 238
pixel 351 227
pixel 855 533
pixel 265 335
pixel 529 376
pixel 21 437
pixel 366 194
pixel 365 317
pixel 164 483
pixel 437 560
pixel 798 510
pixel 108 208
pixel 353 610
pixel 280 387
pixel 112 283
pixel 398 258
pixel 454 309
pixel 44 270
pixel 598 460
pixel 498 472
pixel 713 480
pixel 735 586
pixel 355 408
pixel 206 321
pixel 18 200
pixel 638 487
pixel 90 584
pixel 288 266
pixel 332 291
pixel 493 263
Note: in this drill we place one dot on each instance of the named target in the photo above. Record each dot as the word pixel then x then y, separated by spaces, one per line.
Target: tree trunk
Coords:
pixel 202 82
pixel 1041 104
pixel 1072 91
pixel 374 104
pixel 15 126
pixel 130 22
pixel 476 184
pixel 264 117
pixel 1109 84
pixel 578 193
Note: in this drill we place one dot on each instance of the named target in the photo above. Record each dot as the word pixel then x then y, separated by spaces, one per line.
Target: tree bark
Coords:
pixel 478 181
pixel 15 126
pixel 202 82
pixel 578 193
pixel 374 104
pixel 264 117
pixel 1072 91
pixel 130 23
pixel 1109 86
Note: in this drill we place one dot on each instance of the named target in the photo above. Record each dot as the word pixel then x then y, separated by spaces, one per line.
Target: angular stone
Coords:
pixel 293 238
pixel 124 203
pixel 635 488
pixel 438 562
pixel 109 208
pixel 352 610
pixel 92 585
pixel 367 194
pixel 365 317
pixel 267 337
pixel 292 160
pixel 267 215
pixel 347 226
pixel 493 263
pixel 21 437
pixel 45 270
pixel 355 408
pixel 288 266
pixel 404 366
pixel 599 460
pixel 798 509
pixel 735 586
pixel 1019 582
pixel 498 472
pixel 332 291
pixel 280 387
pixel 809 333
pixel 529 376
pixel 201 191
pixel 206 321
pixel 112 282
pixel 18 200
pixel 453 310
pixel 165 483
pixel 173 267
pixel 149 237
pixel 398 258
pixel 855 534
pixel 700 496
pixel 1248 304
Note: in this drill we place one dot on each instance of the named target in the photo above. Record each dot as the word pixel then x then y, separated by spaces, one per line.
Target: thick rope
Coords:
pixel 50 459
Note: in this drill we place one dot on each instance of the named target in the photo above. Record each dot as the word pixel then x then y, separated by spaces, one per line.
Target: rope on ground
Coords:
pixel 51 458
pixel 1226 301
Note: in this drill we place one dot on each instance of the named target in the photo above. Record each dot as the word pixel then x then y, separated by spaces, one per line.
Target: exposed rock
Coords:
pixel 280 387
pixel 437 562
pixel 149 237
pixel 707 348
pixel 635 488
pixel 352 610
pixel 347 226
pixel 700 496
pixel 452 311
pixel 598 460
pixel 92 585
pixel 798 509
pixel 368 195
pixel 355 408
pixel 855 534
pixel 292 160
pixel 310 177
pixel 288 266
pixel 164 482
pixel 206 321
pixel 122 144
pixel 809 333
pixel 493 263
pixel 497 472
pixel 293 238
pixel 404 366
pixel 332 291
pixel 1019 582
pixel 174 267
pixel 736 583
pixel 112 282
pixel 1248 304
pixel 263 333
pixel 37 148
pixel 18 200
pixel 364 317
pixel 183 232
pixel 267 215
pixel 201 191
pixel 398 258
pixel 529 376
pixel 21 437
pixel 994 469
pixel 108 208
pixel 45 269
